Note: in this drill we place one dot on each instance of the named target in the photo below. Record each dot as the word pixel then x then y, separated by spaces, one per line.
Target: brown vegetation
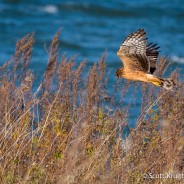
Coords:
pixel 70 129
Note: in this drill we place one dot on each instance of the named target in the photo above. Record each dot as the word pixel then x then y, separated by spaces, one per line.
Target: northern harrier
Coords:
pixel 139 60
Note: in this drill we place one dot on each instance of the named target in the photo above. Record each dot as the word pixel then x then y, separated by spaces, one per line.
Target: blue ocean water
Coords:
pixel 90 27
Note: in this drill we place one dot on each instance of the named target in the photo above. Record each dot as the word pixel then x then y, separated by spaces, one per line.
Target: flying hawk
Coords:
pixel 139 60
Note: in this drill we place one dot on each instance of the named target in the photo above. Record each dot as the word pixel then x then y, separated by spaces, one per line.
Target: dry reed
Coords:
pixel 70 130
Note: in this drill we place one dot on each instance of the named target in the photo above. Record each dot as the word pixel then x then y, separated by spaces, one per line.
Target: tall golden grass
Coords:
pixel 70 130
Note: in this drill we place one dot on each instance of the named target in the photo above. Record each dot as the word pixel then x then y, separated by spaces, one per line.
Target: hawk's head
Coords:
pixel 120 72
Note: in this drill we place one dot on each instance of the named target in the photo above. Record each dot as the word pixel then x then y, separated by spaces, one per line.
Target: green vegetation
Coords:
pixel 68 132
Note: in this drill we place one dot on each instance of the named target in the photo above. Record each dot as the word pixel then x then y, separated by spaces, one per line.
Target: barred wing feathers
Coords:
pixel 133 52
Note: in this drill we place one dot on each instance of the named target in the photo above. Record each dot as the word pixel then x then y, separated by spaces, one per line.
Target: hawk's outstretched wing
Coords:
pixel 133 52
pixel 152 53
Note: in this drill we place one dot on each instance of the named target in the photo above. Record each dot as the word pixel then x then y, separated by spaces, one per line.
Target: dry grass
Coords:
pixel 70 130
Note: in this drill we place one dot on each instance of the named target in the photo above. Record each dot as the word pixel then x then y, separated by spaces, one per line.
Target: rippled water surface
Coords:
pixel 90 27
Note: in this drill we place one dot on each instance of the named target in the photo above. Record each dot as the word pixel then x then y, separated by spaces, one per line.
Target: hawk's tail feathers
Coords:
pixel 167 83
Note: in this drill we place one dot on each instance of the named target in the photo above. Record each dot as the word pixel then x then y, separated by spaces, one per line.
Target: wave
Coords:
pixel 50 9
pixel 178 59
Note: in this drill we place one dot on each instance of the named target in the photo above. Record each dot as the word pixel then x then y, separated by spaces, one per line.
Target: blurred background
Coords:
pixel 90 27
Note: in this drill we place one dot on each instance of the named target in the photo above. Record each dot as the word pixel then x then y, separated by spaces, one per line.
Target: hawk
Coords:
pixel 139 60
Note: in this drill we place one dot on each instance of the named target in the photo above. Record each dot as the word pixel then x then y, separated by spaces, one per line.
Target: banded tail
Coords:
pixel 165 83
